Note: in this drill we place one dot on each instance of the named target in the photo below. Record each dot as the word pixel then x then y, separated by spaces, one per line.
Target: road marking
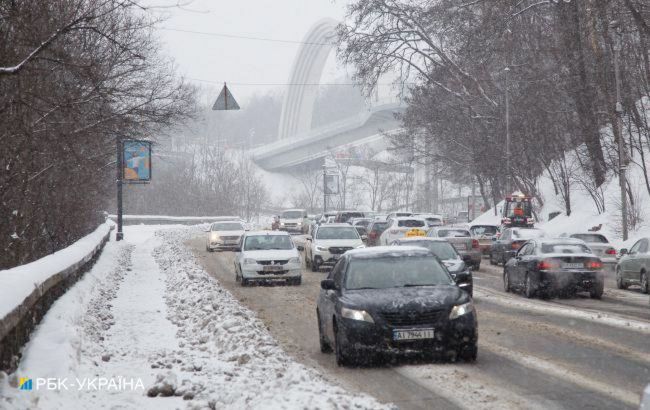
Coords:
pixel 608 319
pixel 561 372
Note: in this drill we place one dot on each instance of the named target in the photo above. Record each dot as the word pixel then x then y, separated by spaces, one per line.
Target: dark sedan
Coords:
pixel 545 267
pixel 394 300
pixel 506 246
pixel 458 266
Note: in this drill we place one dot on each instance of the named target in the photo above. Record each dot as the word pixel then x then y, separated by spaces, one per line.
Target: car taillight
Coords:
pixel 546 264
pixel 372 235
pixel 474 243
pixel 611 251
pixel 594 264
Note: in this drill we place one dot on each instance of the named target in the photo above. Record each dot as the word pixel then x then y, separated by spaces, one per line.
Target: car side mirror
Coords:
pixel 624 251
pixel 494 238
pixel 327 284
pixel 300 248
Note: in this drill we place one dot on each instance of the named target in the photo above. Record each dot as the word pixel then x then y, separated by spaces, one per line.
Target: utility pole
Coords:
pixel 324 189
pixel 508 170
pixel 622 154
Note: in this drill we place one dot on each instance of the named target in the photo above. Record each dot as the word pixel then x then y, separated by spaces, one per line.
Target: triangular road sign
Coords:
pixel 225 101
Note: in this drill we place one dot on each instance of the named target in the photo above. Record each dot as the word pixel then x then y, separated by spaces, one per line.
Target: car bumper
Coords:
pixel 475 254
pixel 292 228
pixel 258 274
pixel 451 335
pixel 326 258
pixel 581 280
pixel 220 246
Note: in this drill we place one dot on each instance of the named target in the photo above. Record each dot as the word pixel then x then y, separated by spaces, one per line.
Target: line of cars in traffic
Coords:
pixel 406 286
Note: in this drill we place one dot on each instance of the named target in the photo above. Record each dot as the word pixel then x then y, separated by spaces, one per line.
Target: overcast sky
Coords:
pixel 233 60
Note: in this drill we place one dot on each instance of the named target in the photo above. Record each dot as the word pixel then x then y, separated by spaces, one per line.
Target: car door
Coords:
pixel 500 244
pixel 644 256
pixel 630 261
pixel 526 261
pixel 517 267
pixel 329 298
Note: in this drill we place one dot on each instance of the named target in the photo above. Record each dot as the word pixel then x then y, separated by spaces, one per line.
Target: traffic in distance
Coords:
pixel 403 283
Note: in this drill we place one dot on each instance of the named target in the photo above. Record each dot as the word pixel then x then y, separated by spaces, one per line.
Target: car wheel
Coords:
pixel 244 282
pixel 506 281
pixel 596 292
pixel 469 353
pixel 325 346
pixel 644 282
pixel 492 261
pixel 296 281
pixel 620 283
pixel 529 292
pixel 342 358
pixel 477 266
pixel 314 266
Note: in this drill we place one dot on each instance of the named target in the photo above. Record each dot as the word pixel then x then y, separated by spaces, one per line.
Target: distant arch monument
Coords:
pixel 298 105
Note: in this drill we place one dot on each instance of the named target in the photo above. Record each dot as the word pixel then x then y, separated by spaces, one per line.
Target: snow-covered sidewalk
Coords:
pixel 148 328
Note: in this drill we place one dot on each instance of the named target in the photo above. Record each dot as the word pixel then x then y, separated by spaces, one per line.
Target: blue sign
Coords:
pixel 136 161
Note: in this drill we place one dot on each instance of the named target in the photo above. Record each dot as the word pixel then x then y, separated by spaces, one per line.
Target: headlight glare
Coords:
pixel 460 310
pixel 354 314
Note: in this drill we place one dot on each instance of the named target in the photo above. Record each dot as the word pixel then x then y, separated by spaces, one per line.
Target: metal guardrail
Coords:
pixel 17 325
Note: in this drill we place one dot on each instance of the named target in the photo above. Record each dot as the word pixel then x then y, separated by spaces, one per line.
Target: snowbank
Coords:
pixel 16 284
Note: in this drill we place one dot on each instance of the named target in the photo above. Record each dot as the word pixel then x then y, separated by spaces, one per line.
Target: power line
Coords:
pixel 241 37
pixel 280 84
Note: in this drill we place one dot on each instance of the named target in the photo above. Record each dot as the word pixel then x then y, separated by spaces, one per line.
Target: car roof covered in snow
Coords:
pixel 559 241
pixel 394 251
pixel 261 233
pixel 420 239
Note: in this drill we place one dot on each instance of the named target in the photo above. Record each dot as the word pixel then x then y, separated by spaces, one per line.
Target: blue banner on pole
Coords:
pixel 136 161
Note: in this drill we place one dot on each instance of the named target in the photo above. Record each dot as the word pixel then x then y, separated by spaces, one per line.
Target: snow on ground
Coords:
pixel 148 315
pixel 19 282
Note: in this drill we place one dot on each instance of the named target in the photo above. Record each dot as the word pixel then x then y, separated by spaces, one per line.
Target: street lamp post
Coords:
pixel 622 154
pixel 508 170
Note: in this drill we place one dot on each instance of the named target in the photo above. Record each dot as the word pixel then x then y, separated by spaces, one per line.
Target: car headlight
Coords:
pixel 321 248
pixel 249 261
pixel 460 310
pixel 294 260
pixel 299 223
pixel 214 236
pixel 353 314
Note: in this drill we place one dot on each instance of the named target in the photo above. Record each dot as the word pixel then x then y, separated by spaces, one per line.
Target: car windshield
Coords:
pixel 267 242
pixel 411 223
pixel 565 248
pixel 292 214
pixel 227 226
pixel 384 272
pixel 379 226
pixel 478 230
pixel 453 233
pixel 590 237
pixel 527 233
pixel 443 250
pixel 337 232
pixel 433 221
pixel 361 230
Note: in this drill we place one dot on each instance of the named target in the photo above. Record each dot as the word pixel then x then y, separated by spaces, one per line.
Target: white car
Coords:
pixel 432 219
pixel 224 235
pixel 600 246
pixel 329 242
pixel 397 228
pixel 294 220
pixel 266 256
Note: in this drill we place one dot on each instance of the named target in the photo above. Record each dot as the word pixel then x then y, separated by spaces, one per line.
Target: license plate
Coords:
pixel 415 232
pixel 573 265
pixel 272 268
pixel 412 334
pixel 460 246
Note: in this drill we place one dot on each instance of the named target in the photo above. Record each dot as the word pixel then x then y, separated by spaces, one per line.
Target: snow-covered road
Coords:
pixel 148 328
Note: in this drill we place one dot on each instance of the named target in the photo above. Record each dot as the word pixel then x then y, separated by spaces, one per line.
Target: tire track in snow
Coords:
pixel 561 372
pixel 572 335
pixel 539 306
pixel 480 390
